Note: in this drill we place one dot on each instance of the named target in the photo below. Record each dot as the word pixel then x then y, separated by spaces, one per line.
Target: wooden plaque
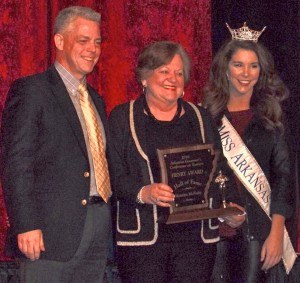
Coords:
pixel 189 172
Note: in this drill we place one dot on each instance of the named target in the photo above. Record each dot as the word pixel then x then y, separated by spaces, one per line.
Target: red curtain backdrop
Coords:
pixel 127 27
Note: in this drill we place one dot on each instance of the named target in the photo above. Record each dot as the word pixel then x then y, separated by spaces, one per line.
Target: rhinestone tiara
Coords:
pixel 244 33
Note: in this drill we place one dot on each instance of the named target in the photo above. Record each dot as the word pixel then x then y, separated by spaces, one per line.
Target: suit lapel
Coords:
pixel 139 122
pixel 61 95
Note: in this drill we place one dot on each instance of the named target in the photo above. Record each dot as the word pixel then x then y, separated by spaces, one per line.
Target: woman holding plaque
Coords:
pixel 243 96
pixel 148 251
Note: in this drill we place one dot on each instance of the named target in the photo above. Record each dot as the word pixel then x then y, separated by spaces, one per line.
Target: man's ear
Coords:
pixel 59 41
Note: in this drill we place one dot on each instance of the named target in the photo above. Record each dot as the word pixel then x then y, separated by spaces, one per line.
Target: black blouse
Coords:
pixel 161 136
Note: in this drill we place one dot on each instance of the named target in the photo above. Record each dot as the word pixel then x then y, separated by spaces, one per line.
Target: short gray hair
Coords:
pixel 68 15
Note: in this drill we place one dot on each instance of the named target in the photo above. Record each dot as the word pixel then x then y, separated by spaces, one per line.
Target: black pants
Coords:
pixel 185 262
pixel 89 261
pixel 238 261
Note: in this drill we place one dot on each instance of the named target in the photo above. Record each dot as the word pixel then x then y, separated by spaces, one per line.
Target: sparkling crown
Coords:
pixel 244 33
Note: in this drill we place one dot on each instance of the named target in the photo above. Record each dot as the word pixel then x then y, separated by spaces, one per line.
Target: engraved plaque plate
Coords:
pixel 189 172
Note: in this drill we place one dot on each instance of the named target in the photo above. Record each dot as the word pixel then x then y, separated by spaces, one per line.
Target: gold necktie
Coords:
pixel 96 144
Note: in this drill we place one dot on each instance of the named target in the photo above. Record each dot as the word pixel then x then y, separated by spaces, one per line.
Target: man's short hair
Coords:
pixel 68 15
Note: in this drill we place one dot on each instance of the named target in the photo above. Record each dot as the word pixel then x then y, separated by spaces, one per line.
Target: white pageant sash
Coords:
pixel 253 178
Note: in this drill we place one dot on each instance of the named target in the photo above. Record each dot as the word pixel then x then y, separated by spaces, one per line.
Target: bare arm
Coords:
pixel 272 248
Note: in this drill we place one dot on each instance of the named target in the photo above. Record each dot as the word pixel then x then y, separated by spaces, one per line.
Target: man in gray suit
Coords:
pixel 60 223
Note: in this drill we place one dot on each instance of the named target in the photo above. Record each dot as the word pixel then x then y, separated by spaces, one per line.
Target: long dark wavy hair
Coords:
pixel 268 92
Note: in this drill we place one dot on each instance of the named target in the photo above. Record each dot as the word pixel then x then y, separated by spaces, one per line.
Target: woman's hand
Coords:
pixel 272 248
pixel 235 221
pixel 157 193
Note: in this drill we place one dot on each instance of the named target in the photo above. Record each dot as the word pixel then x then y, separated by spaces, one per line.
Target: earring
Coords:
pixel 182 95
pixel 227 76
pixel 144 89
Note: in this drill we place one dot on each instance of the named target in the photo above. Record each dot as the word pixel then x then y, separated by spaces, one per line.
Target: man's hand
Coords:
pixel 31 244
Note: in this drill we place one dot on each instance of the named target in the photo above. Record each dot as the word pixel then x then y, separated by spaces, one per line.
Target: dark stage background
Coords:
pixel 282 38
pixel 128 26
